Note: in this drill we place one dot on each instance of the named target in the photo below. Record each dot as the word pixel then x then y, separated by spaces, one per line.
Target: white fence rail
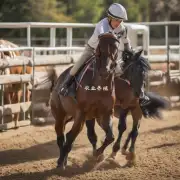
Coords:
pixel 69 36
pixel 44 60
pixel 70 26
pixel 35 60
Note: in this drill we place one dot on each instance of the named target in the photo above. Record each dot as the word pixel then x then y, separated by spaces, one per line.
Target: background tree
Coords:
pixel 83 11
pixel 30 11
pixel 165 10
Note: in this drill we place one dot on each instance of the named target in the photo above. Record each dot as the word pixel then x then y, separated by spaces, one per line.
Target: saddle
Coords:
pixel 76 82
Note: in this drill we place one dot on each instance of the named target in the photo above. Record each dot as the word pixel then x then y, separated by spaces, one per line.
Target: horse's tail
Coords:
pixel 156 104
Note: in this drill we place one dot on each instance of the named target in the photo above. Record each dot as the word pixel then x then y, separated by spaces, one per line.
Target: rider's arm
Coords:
pixel 102 27
pixel 126 40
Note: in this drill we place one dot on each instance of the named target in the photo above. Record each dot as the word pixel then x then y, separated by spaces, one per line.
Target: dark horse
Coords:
pixel 134 68
pixel 94 98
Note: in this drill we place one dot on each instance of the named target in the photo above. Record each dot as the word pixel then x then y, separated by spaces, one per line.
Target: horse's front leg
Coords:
pixel 106 124
pixel 131 156
pixel 90 124
pixel 121 129
pixel 71 136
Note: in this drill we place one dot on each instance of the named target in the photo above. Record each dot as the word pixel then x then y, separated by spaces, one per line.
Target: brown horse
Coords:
pixel 126 100
pixel 94 98
pixel 13 92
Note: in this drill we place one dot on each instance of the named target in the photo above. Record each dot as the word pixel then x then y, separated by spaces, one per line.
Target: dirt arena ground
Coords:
pixel 30 153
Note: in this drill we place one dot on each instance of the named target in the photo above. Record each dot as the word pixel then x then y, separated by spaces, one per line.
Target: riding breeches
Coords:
pixel 118 69
pixel 87 53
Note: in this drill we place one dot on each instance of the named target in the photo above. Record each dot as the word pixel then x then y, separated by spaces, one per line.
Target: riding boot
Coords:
pixel 144 101
pixel 65 85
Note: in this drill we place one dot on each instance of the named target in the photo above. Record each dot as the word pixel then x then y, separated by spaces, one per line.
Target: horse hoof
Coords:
pixel 100 158
pixel 113 155
pixel 61 165
pixel 130 156
pixel 131 164
pixel 124 152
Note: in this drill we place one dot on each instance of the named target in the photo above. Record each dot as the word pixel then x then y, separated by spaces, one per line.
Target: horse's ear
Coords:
pixel 138 53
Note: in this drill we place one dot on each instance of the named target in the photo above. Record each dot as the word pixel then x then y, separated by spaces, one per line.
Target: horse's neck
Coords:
pixel 104 81
pixel 101 82
pixel 126 72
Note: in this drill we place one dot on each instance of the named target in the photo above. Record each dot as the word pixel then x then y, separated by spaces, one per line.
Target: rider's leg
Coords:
pixel 119 66
pixel 143 101
pixel 139 93
pixel 87 53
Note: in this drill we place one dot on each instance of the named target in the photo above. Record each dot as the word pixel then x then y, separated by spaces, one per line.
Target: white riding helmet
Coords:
pixel 117 11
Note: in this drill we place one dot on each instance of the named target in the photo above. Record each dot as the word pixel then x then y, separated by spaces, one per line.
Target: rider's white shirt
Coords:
pixel 103 27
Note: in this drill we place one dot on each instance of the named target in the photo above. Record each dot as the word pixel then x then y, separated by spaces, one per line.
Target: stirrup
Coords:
pixel 63 91
pixel 65 85
pixel 144 101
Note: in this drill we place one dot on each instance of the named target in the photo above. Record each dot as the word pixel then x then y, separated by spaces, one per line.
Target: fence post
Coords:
pixel 2 104
pixel 33 89
pixel 24 90
pixel 179 47
pixel 52 37
pixel 29 36
pixel 69 38
pixel 148 53
pixel 167 53
pixel 168 65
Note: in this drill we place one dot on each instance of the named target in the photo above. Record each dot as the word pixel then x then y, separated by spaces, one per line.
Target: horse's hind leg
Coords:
pixel 71 136
pixel 59 116
pixel 121 129
pixel 106 125
pixel 90 124
pixel 131 157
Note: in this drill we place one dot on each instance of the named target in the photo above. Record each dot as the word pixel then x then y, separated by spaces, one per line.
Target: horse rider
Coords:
pixel 113 23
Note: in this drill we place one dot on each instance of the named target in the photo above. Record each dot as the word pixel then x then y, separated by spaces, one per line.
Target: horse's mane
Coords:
pixel 136 69
pixel 108 35
pixel 8 44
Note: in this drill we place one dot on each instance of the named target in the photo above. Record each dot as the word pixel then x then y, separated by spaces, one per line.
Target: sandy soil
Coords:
pixel 31 153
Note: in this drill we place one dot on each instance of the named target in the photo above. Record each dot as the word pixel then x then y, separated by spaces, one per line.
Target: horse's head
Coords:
pixel 134 62
pixel 107 53
pixel 129 56
pixel 7 54
pixel 136 68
